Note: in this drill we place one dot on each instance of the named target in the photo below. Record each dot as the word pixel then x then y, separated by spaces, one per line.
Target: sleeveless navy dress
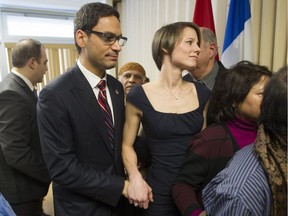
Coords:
pixel 168 135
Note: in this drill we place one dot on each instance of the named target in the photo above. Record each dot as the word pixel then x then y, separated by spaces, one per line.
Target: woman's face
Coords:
pixel 249 108
pixel 186 51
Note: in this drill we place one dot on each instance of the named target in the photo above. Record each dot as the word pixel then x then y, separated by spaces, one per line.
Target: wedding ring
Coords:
pixel 135 204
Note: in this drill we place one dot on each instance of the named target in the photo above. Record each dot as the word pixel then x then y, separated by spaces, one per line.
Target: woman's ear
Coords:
pixel 165 51
pixel 234 106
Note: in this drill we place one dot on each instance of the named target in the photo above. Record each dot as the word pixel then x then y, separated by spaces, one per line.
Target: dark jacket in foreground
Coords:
pixel 208 153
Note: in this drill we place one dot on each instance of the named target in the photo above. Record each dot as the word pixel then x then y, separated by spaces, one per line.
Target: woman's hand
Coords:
pixel 139 192
pixel 203 213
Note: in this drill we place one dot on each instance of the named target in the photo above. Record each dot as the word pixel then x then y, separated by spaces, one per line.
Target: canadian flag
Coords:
pixel 203 15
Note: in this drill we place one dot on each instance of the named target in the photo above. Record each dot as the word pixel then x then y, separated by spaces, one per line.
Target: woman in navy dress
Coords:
pixel 171 111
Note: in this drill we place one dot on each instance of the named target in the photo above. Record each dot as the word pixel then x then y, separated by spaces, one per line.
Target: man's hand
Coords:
pixel 139 192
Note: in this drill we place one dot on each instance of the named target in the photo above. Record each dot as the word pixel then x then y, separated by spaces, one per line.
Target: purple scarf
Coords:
pixel 243 131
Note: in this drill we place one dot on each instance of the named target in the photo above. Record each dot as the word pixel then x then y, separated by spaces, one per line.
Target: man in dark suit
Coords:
pixel 208 69
pixel 81 143
pixel 24 177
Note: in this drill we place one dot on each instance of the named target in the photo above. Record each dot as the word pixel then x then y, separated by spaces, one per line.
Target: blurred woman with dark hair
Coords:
pixel 235 107
pixel 255 182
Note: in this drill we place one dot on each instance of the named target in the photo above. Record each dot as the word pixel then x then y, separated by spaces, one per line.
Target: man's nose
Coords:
pixel 132 78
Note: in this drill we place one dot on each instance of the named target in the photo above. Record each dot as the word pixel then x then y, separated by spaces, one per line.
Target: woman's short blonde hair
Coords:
pixel 167 36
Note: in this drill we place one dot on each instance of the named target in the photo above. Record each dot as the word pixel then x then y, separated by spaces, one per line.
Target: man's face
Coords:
pixel 131 78
pixel 96 52
pixel 41 67
pixel 205 60
pixel 204 55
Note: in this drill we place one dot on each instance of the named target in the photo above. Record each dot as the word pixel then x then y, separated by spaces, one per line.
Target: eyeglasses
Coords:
pixel 109 38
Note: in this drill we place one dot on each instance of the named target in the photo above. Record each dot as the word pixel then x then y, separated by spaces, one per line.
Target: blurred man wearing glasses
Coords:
pixel 81 117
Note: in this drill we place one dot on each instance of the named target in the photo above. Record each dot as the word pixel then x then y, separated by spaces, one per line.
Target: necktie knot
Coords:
pixel 102 85
pixel 35 92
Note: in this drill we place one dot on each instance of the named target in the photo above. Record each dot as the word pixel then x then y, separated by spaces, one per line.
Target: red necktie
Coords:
pixel 102 100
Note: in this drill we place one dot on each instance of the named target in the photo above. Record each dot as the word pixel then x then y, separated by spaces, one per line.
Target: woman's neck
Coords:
pixel 243 131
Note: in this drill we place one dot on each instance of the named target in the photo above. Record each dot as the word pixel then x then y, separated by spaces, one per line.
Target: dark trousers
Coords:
pixel 33 208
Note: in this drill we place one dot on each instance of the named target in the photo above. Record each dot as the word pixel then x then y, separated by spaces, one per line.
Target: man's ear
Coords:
pixel 81 38
pixel 212 49
pixel 32 63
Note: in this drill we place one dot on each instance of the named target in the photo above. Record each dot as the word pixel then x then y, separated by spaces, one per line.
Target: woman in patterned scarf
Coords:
pixel 255 181
pixel 271 144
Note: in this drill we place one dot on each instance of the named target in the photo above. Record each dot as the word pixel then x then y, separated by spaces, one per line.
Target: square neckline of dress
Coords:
pixel 170 113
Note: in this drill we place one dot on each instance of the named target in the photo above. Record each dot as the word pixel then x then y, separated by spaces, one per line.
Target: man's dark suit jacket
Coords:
pixel 24 176
pixel 87 174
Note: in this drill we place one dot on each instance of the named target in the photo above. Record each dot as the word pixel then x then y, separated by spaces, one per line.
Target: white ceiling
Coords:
pixel 46 4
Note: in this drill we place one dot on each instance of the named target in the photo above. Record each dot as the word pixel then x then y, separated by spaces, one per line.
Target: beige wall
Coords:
pixel 141 18
pixel 60 58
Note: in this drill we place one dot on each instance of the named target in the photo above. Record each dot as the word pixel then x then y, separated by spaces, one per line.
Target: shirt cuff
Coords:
pixel 196 212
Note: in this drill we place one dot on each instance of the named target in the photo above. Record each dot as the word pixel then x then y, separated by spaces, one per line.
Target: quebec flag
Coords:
pixel 238 44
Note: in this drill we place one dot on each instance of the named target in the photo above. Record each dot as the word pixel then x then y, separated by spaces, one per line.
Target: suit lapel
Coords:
pixel 25 87
pixel 85 95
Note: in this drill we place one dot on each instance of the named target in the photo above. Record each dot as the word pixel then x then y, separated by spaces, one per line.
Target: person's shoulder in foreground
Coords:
pixel 206 156
pixel 5 208
pixel 236 189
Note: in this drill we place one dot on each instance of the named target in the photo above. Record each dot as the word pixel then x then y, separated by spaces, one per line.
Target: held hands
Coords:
pixel 203 213
pixel 139 192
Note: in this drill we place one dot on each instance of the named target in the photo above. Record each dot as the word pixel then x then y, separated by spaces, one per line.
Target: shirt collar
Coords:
pixel 209 79
pixel 92 79
pixel 26 80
